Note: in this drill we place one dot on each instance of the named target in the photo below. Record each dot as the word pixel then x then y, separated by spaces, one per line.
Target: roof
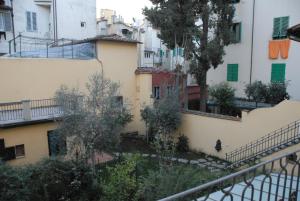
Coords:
pixel 294 33
pixel 113 37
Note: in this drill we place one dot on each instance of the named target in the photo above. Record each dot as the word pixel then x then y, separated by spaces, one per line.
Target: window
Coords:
pixel 31 21
pixel 235 1
pixel 156 92
pixel 236 31
pixel 2 148
pixel 280 26
pixel 57 144
pixel 20 151
pixel 170 90
pixel 147 54
pixel 5 21
pixel 278 73
pixel 232 72
pixel 82 24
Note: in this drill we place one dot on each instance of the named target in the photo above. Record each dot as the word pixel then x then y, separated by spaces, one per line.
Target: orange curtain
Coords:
pixel 274 48
pixel 284 48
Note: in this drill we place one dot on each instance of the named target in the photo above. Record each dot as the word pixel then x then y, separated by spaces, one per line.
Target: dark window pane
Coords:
pixel 20 150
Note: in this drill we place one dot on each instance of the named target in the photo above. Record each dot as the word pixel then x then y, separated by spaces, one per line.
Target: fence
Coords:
pixel 268 143
pixel 31 47
pixel 274 180
pixel 29 110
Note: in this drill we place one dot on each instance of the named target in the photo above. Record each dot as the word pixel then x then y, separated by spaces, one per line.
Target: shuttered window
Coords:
pixel 280 26
pixel 232 72
pixel 31 21
pixel 5 21
pixel 278 73
pixel 2 148
pixel 236 31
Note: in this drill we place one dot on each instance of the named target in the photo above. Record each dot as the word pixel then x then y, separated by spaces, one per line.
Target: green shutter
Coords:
pixel 284 27
pixel 280 26
pixel 236 32
pixel 232 72
pixel 278 73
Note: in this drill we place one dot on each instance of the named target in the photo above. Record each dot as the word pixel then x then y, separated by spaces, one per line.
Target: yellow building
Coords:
pixel 25 126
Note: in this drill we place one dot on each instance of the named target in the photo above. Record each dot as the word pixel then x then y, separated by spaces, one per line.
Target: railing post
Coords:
pixel 72 49
pixel 26 110
pixel 20 45
pixel 9 44
pixel 63 51
pixel 47 50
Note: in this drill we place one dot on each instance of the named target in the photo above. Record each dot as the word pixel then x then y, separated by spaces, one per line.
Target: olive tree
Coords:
pixel 92 121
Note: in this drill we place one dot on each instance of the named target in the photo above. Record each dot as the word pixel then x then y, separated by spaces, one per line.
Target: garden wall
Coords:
pixel 203 130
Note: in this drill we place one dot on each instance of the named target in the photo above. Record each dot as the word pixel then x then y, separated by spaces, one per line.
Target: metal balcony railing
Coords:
pixel 17 112
pixel 268 144
pixel 274 180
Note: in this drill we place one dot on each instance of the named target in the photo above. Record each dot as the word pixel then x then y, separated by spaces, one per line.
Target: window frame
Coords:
pixel 280 27
pixel 156 92
pixel 277 74
pixel 31 21
pixel 5 21
pixel 236 35
pixel 232 76
pixel 23 152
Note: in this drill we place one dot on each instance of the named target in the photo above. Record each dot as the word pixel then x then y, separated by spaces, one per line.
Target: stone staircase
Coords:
pixel 273 142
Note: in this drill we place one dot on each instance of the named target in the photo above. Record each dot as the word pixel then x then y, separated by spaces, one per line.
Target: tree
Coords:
pixel 277 92
pixel 223 95
pixel 256 91
pixel 92 121
pixel 203 28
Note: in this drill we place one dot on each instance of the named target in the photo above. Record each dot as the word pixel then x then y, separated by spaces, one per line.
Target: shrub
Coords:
pixel 120 183
pixel 182 144
pixel 170 180
pixel 223 95
pixel 277 92
pixel 256 91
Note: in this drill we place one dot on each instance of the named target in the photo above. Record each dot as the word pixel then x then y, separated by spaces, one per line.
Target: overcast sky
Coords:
pixel 126 8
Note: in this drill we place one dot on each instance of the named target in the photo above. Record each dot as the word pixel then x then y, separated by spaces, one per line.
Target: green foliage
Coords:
pixel 170 180
pixel 272 93
pixel 223 95
pixel 121 183
pixel 257 91
pixel 182 144
pixel 50 180
pixel 277 92
pixel 164 117
pixel 13 186
pixel 204 43
pixel 93 120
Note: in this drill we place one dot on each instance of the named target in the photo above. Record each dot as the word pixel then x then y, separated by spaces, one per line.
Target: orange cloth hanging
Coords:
pixel 284 48
pixel 274 48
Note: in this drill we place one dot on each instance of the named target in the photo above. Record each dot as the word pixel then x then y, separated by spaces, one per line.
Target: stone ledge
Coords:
pixel 212 115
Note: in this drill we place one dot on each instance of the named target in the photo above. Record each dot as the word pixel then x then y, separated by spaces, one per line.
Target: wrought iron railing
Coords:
pixel 268 144
pixel 274 180
pixel 29 110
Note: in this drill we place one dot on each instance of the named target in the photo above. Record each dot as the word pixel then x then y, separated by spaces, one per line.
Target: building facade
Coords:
pixel 47 19
pixel 261 50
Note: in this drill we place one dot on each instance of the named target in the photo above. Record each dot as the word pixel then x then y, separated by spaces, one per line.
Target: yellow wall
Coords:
pixel 34 138
pixel 203 131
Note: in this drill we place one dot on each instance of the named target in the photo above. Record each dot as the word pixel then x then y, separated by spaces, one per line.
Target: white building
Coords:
pixel 53 19
pixel 247 60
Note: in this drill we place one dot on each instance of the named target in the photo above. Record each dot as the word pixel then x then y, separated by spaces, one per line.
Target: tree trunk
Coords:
pixel 203 93
pixel 204 60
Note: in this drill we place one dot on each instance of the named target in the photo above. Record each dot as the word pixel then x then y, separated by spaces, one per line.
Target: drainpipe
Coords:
pixel 252 40
pixel 13 24
pixel 54 10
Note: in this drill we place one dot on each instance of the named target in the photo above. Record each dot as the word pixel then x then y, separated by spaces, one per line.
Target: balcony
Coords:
pixel 28 112
pixel 43 2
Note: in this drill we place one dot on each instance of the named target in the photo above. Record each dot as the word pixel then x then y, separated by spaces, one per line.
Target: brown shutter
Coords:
pixel 10 154
pixel 2 148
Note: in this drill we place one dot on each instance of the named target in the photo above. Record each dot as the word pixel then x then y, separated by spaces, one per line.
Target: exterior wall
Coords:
pixel 40 78
pixel 33 137
pixel 70 14
pixel 119 64
pixel 241 53
pixel 204 130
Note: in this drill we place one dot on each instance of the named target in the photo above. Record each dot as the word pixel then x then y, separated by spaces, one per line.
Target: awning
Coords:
pixel 294 33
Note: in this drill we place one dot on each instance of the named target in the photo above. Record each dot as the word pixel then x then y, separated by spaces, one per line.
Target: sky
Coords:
pixel 126 8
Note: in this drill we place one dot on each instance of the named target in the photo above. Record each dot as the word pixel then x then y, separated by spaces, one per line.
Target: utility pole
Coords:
pixel 13 24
